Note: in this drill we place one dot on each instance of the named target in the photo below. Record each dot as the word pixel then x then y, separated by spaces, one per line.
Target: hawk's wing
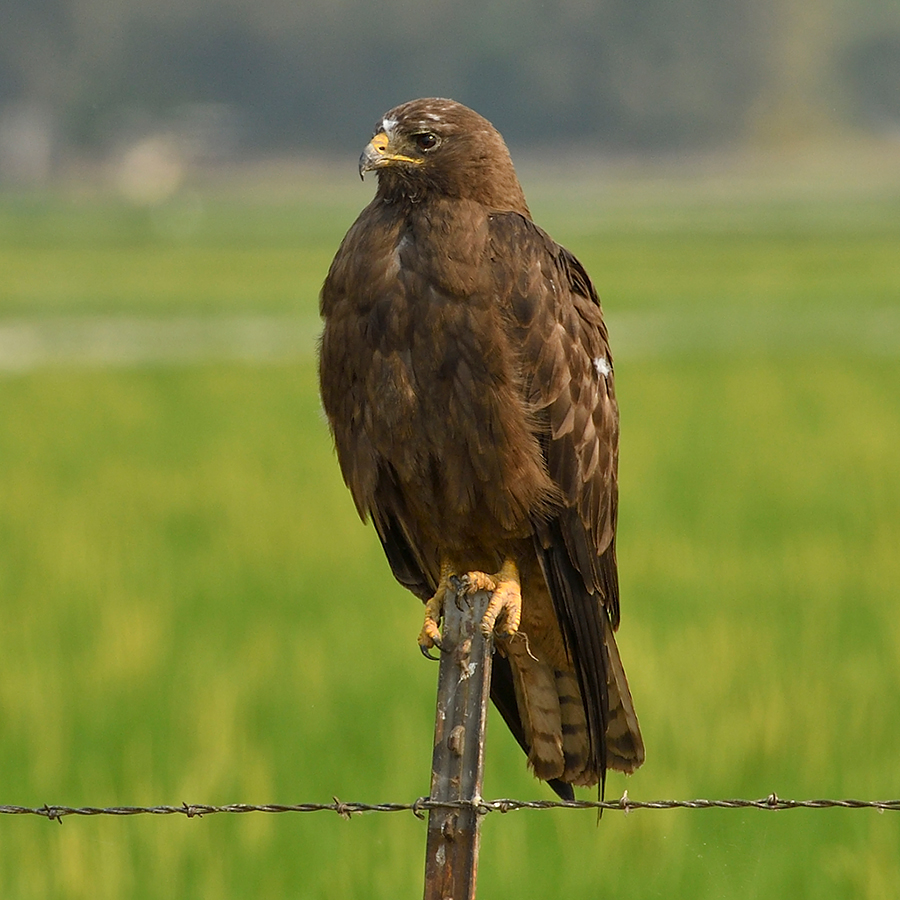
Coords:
pixel 554 316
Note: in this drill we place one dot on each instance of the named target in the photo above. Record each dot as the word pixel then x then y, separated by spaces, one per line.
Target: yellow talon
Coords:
pixel 430 635
pixel 506 599
pixel 503 614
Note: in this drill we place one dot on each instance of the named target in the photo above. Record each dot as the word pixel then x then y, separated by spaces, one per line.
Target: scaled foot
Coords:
pixel 430 635
pixel 502 616
pixel 504 612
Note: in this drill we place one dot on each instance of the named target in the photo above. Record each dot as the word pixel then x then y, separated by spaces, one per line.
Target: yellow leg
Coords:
pixel 506 598
pixel 430 635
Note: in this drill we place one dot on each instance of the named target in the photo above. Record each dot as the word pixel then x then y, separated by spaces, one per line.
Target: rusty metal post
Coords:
pixel 457 767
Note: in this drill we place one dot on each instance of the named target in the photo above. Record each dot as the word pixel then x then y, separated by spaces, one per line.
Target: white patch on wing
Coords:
pixel 601 364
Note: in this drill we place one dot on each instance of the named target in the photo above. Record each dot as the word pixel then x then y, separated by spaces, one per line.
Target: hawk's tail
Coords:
pixel 545 711
pixel 624 745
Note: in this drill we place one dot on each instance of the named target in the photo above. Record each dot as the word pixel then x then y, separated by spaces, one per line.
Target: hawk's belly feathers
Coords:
pixel 431 398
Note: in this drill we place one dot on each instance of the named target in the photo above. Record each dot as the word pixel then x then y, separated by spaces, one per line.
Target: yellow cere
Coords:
pixel 380 142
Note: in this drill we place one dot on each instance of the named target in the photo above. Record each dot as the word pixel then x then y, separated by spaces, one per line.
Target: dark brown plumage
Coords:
pixel 466 375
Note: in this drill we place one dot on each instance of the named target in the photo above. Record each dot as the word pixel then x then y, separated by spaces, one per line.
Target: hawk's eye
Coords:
pixel 426 140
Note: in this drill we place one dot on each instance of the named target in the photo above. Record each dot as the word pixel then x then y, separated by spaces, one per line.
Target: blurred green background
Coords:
pixel 192 612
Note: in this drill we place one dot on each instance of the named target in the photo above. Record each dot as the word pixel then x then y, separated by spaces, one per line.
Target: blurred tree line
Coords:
pixel 315 74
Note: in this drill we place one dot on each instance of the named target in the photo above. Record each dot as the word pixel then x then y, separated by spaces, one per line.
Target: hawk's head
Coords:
pixel 440 147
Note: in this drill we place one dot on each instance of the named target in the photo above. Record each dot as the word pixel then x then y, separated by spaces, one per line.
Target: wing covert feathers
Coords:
pixel 569 380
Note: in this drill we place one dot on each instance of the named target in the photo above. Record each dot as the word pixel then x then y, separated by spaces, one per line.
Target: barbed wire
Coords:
pixel 347 809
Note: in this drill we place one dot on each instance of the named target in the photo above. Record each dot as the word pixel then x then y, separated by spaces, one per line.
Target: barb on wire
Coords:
pixel 423 804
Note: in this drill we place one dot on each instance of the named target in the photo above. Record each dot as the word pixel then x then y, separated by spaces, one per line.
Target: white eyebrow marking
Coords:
pixel 602 366
pixel 388 126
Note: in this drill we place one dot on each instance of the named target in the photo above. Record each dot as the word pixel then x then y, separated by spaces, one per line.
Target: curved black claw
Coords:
pixel 427 655
pixel 461 585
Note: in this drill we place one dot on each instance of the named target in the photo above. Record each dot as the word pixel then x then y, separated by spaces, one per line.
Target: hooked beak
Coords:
pixel 377 155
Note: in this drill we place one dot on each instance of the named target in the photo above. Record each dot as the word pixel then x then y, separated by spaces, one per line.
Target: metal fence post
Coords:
pixel 457 768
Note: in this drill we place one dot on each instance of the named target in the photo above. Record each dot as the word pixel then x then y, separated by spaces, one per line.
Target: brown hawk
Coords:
pixel 466 375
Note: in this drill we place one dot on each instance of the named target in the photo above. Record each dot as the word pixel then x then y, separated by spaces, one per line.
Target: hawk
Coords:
pixel 467 380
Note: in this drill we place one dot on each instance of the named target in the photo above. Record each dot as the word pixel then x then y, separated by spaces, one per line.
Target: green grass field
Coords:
pixel 192 612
